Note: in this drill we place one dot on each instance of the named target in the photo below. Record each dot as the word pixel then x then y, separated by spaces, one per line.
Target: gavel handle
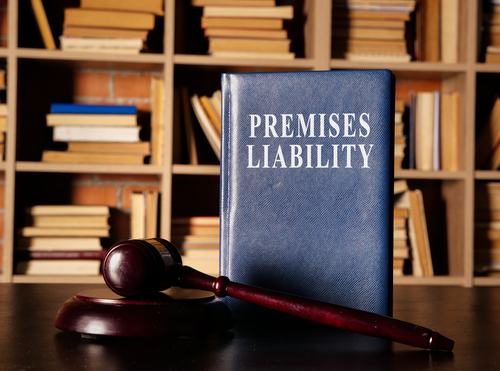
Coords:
pixel 329 314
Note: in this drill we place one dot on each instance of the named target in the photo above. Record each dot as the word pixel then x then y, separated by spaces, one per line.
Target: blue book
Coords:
pixel 92 109
pixel 307 186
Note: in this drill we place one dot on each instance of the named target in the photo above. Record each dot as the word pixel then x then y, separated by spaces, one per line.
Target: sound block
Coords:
pixel 173 312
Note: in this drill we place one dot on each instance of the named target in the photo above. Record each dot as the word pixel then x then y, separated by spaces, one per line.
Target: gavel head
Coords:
pixel 139 266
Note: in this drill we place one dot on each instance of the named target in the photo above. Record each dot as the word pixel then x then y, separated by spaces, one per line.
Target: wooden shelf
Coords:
pixel 179 62
pixel 439 175
pixel 196 169
pixel 430 281
pixel 46 167
pixel 207 60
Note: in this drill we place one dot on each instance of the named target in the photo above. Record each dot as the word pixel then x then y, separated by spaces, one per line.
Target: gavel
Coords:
pixel 140 267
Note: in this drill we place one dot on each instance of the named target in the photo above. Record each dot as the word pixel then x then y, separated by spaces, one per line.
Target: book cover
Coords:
pixel 43 24
pixel 92 109
pixel 120 134
pixel 307 185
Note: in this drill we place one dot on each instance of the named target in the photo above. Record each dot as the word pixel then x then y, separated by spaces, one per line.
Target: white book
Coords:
pixel 94 42
pixel 96 134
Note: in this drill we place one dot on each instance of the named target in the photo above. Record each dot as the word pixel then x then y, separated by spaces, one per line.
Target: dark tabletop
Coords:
pixel 471 317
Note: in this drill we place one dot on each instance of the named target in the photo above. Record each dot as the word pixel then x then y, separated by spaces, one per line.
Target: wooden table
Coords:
pixel 471 317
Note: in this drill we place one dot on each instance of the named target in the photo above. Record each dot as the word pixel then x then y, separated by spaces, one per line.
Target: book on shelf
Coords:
pixel 242 23
pixel 64 133
pixel 58 244
pixel 277 11
pixel 296 180
pixel 2 79
pixel 3 128
pixel 399 136
pixel 157 120
pixel 54 221
pixel 197 238
pixel 92 158
pixel 428 20
pixel 67 210
pixel 82 119
pixel 189 134
pixel 109 26
pixel 209 128
pixel 421 234
pixel 97 109
pixel 58 255
pixel 401 252
pixel 405 6
pixel 233 2
pixel 450 31
pixel 43 24
pixel 434 131
pixel 488 140
pixel 64 232
pixel 96 134
pixel 424 130
pixel 144 214
pixel 203 260
pixel 25 255
pixel 374 31
pixel 491 27
pixel 66 221
pixel 437 31
pixel 70 267
pixel 137 148
pixel 147 6
pixel 487 228
pixel 229 44
pixel 84 17
pixel 247 31
pixel 410 202
pixel 99 44
pixel 104 33
pixel 450 131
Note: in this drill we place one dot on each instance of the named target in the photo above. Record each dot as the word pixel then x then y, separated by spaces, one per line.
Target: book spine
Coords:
pixel 92 109
pixel 224 181
pixel 60 255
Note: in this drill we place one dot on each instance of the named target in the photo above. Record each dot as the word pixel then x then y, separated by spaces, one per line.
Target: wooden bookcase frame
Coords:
pixel 456 188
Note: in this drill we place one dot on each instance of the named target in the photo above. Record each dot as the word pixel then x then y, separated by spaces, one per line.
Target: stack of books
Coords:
pixel 419 247
pixel 109 26
pixel 399 136
pixel 62 239
pixel 96 134
pixel 246 29
pixel 401 242
pixel 371 30
pixel 144 214
pixel 197 238
pixel 491 25
pixel 208 112
pixel 487 229
pixel 3 128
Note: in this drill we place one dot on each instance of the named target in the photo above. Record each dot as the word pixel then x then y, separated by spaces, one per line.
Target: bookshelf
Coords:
pixel 182 61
